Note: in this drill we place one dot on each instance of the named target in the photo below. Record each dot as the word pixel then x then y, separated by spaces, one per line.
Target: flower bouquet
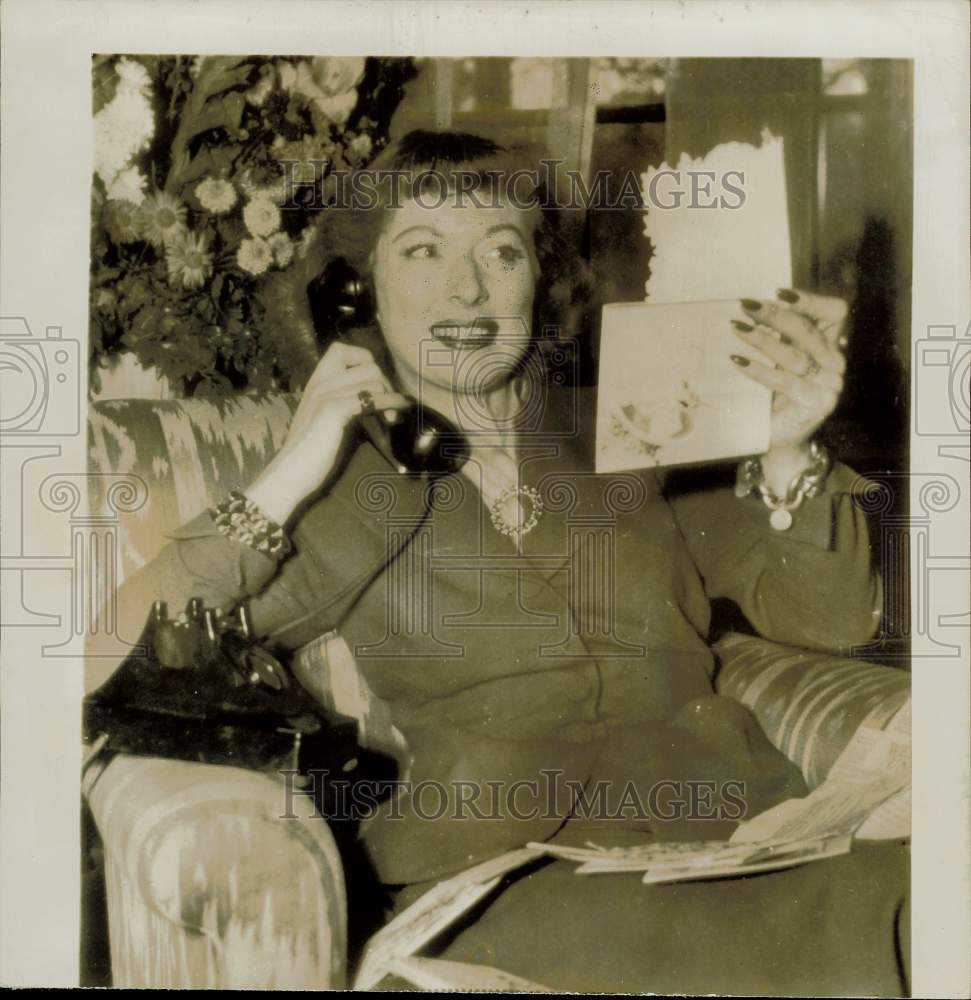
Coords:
pixel 193 227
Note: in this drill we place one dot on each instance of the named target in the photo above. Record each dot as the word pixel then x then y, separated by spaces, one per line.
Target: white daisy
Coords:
pixel 336 74
pixel 282 248
pixel 162 218
pixel 261 216
pixel 188 260
pixel 128 185
pixel 337 108
pixel 215 195
pixel 123 221
pixel 254 256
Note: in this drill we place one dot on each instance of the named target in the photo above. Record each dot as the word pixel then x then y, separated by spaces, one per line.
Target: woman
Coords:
pixel 514 681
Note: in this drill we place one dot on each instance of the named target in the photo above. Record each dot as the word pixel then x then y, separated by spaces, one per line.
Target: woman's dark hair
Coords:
pixel 423 164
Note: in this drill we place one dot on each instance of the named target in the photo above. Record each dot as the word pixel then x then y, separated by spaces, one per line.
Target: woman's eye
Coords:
pixel 421 251
pixel 508 254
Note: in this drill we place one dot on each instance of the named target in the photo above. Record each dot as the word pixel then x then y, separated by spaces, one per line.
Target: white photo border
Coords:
pixel 46 175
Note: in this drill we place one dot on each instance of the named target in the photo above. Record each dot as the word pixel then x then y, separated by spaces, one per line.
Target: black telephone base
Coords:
pixel 206 691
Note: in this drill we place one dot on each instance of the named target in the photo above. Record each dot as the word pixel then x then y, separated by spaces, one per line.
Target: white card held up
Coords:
pixel 669 393
pixel 729 241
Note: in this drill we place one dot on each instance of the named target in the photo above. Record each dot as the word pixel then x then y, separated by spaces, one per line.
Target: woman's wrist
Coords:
pixel 781 465
pixel 781 497
pixel 277 493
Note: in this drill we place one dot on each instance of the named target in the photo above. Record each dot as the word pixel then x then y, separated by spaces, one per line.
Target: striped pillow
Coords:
pixel 808 703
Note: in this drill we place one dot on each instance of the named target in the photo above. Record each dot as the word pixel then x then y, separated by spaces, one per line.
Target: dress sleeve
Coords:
pixel 813 585
pixel 339 548
pixel 196 561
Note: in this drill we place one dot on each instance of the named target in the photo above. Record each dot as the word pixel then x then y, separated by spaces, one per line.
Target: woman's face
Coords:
pixel 454 289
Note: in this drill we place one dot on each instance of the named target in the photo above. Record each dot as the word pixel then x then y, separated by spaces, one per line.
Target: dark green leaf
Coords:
pixel 221 112
pixel 104 82
pixel 209 161
pixel 219 73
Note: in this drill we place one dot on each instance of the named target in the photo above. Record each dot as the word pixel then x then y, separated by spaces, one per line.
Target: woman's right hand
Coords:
pixel 330 401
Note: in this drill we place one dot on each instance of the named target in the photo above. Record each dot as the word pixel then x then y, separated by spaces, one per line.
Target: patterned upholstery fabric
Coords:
pixel 206 885
pixel 179 457
pixel 808 703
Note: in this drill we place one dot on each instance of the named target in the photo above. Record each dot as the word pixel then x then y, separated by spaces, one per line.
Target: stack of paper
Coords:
pixel 430 915
pixel 443 977
pixel 891 819
pixel 874 766
pixel 690 861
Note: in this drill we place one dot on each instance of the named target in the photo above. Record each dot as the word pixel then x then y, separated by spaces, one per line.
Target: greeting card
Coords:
pixel 669 392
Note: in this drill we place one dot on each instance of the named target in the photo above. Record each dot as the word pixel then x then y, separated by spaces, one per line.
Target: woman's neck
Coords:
pixel 489 416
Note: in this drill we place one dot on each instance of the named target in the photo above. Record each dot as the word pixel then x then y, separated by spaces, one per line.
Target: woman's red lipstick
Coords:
pixel 466 336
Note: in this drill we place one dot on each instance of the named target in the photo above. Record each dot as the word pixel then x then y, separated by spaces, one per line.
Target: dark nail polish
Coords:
pixel 787 295
pixel 744 327
pixel 740 361
pixel 751 305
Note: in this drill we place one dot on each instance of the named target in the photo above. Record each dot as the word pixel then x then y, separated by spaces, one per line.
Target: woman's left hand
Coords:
pixel 799 346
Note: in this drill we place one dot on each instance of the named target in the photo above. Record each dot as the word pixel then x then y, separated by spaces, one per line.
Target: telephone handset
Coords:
pixel 421 441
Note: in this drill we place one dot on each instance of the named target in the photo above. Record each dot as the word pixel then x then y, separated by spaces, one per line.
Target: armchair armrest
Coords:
pixel 809 704
pixel 209 886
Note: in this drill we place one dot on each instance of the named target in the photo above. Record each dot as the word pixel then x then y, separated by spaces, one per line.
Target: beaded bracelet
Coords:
pixel 240 520
pixel 808 484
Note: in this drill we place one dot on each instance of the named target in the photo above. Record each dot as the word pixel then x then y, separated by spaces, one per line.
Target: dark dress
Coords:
pixel 582 659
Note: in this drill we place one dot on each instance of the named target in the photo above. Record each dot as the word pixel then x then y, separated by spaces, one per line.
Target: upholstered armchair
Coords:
pixel 207 885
